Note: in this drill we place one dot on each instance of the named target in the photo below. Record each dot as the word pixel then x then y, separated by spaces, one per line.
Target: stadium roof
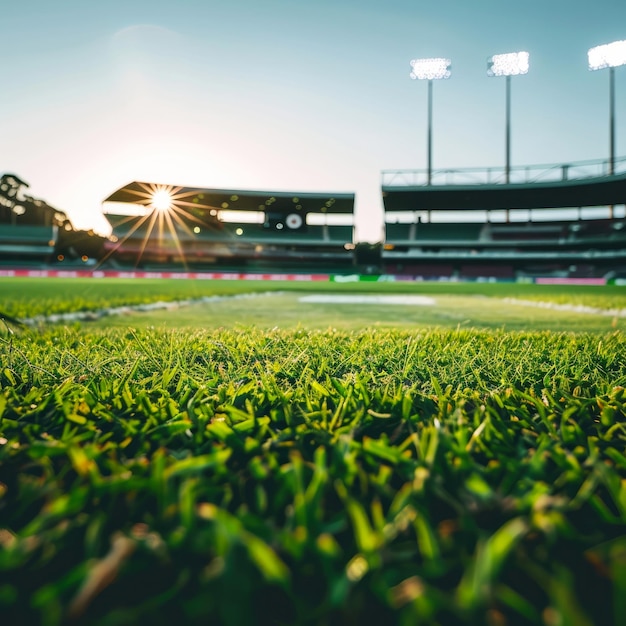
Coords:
pixel 236 200
pixel 598 191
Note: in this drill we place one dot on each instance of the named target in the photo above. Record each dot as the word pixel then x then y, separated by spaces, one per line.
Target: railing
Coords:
pixel 577 170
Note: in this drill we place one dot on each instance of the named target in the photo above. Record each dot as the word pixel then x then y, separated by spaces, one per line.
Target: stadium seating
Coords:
pixel 27 242
pixel 423 228
pixel 500 271
pixel 342 234
pixel 528 232
pixel 214 232
pixel 424 233
pixel 424 270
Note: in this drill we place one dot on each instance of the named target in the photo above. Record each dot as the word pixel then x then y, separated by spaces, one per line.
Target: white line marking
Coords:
pixel 367 299
pixel 574 308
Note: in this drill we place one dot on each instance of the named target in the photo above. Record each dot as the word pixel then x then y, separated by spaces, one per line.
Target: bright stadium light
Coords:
pixel 430 69
pixel 609 55
pixel 511 64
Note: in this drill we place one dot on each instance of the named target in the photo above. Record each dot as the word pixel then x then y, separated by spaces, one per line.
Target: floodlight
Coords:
pixel 608 55
pixel 430 69
pixel 511 64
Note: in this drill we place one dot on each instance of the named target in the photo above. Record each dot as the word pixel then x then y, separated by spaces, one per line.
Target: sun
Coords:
pixel 161 200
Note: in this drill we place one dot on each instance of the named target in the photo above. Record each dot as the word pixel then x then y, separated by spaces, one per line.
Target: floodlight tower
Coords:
pixel 430 69
pixel 609 55
pixel 511 64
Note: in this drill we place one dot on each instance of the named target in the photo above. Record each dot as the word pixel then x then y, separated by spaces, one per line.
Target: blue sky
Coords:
pixel 290 95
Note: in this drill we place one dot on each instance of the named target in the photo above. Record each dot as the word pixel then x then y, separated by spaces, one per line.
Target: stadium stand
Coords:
pixel 229 229
pixel 28 227
pixel 34 234
pixel 564 221
pixel 470 224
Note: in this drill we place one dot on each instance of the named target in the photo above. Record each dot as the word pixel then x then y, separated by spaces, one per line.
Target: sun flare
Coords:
pixel 168 213
pixel 161 200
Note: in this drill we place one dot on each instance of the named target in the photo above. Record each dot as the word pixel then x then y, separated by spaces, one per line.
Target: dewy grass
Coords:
pixel 297 477
pixel 30 297
pixel 462 305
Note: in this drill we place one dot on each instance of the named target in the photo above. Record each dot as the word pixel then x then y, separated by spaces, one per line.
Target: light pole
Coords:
pixel 511 64
pixel 430 69
pixel 609 55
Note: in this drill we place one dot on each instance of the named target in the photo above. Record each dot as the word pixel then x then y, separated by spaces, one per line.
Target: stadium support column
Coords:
pixel 612 121
pixel 507 167
pixel 430 133
pixel 507 171
pixel 611 130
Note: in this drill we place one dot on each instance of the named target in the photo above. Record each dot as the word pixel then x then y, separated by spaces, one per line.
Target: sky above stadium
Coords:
pixel 289 95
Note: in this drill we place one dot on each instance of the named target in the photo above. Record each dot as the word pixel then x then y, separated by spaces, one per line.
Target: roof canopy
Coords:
pixel 588 192
pixel 236 200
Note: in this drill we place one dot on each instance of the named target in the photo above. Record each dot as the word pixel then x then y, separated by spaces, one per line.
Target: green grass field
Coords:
pixel 262 460
pixel 465 305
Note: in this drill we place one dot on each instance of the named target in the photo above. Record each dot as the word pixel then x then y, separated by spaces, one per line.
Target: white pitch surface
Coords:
pixel 367 299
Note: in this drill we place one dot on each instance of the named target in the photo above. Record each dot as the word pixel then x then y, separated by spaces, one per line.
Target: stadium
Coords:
pixel 552 221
